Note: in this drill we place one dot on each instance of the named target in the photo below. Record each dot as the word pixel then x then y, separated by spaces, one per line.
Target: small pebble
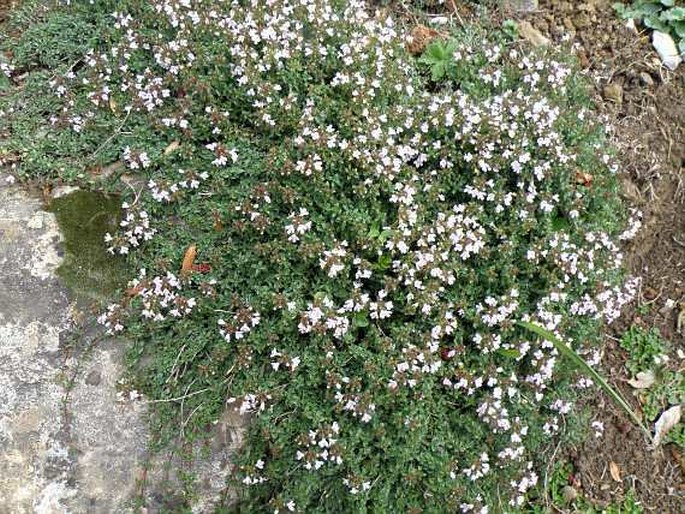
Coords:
pixel 614 93
pixel 646 79
pixel 569 493
pixel 94 378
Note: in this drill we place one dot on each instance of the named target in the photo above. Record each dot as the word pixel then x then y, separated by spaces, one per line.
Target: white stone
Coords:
pixel 665 47
pixel 36 221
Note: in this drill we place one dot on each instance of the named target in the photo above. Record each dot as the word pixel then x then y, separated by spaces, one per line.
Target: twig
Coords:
pixel 677 241
pixel 114 134
pixel 179 398
pixel 173 367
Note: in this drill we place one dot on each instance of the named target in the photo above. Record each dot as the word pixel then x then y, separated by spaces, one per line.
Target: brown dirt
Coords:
pixel 649 131
pixel 5 7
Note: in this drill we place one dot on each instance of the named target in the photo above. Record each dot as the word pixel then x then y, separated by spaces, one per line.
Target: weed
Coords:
pixel 666 16
pixel 649 352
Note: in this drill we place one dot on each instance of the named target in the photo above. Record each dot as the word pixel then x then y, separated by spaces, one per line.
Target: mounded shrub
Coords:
pixel 336 240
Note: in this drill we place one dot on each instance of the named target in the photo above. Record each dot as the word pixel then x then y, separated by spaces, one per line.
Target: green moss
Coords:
pixel 88 270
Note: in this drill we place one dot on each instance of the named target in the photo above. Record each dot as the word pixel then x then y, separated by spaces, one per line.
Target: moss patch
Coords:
pixel 88 270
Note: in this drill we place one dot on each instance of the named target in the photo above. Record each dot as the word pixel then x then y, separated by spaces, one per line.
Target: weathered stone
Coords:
pixel 667 50
pixel 68 442
pixel 94 378
pixel 521 6
pixel 646 79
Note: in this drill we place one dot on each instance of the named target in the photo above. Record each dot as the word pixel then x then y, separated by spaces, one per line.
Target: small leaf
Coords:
pixel 188 260
pixel 112 104
pixel 360 320
pixel 675 14
pixel 615 471
pixel 666 422
pixel 653 22
pixel 643 380
pixel 668 3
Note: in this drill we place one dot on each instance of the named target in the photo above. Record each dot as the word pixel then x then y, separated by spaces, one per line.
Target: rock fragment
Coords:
pixel 520 6
pixel 531 34
pixel 614 93
pixel 665 47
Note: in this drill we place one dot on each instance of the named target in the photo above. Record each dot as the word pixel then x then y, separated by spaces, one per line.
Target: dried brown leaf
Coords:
pixel 189 260
pixel 615 471
pixel 643 380
pixel 668 419
pixel 172 146
pixel 583 178
pixel 421 36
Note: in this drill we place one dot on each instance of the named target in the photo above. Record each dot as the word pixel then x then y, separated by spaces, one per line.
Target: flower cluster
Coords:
pixel 244 320
pixel 135 225
pixel 7 69
pixel 322 316
pixel 319 447
pixel 112 319
pixel 160 297
pixel 165 191
pixel 298 225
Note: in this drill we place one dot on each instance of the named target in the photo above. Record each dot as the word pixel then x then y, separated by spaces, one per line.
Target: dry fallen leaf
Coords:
pixel 583 178
pixel 172 146
pixel 421 36
pixel 666 422
pixel 615 471
pixel 134 291
pixel 643 380
pixel 569 493
pixel 112 104
pixel 189 259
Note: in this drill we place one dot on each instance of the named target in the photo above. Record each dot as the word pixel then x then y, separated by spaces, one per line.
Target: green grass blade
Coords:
pixel 571 355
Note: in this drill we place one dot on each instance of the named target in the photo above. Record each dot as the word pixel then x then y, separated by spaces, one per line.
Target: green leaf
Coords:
pixel 653 22
pixel 437 71
pixel 620 8
pixel 675 14
pixel 560 223
pixel 384 262
pixel 360 320
pixel 648 10
pixel 679 27
pixel 668 3
pixel 511 353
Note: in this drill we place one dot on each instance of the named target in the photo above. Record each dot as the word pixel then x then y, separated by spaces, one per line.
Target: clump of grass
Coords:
pixel 366 232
